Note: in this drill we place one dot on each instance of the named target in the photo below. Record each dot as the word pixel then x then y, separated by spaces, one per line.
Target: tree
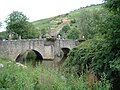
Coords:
pixel 17 23
pixel 113 5
pixel 73 34
pixel 3 35
pixel 89 20
pixel 113 36
pixel 31 32
pixel 65 30
pixel 43 32
pixel 102 54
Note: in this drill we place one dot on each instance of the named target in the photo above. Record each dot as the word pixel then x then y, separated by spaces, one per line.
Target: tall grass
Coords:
pixel 4 60
pixel 14 77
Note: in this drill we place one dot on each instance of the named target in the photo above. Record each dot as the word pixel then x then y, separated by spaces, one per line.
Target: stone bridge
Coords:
pixel 44 49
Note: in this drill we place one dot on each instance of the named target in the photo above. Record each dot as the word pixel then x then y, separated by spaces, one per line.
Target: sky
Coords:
pixel 40 9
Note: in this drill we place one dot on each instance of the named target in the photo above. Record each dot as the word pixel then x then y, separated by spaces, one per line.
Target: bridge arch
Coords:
pixel 22 57
pixel 65 51
pixel 39 57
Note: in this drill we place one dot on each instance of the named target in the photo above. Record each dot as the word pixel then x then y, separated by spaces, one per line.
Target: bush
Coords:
pixel 73 21
pixel 14 77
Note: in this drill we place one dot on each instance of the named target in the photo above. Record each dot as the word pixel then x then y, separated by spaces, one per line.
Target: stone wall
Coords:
pixel 48 49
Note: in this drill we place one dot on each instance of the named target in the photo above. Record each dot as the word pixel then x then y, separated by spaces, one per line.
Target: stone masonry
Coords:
pixel 47 49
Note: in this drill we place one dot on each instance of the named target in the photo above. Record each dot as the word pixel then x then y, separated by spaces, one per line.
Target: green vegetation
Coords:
pixel 73 33
pixel 65 29
pixel 18 26
pixel 3 35
pixel 42 24
pixel 100 53
pixel 46 26
pixel 14 77
pixel 4 60
pixel 80 21
pixel 83 22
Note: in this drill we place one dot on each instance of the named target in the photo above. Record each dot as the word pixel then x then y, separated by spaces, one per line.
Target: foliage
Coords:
pixel 113 5
pixel 14 77
pixel 42 24
pixel 4 60
pixel 31 55
pixel 3 35
pixel 18 25
pixel 43 32
pixel 66 28
pixel 31 33
pixel 101 53
pixel 85 22
pixel 103 84
pixel 89 16
pixel 70 32
pixel 82 55
pixel 73 33
pixel 73 21
pixel 89 21
pixel 30 58
pixel 93 55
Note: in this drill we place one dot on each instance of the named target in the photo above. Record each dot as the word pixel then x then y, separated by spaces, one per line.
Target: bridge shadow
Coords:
pixel 65 52
pixel 32 57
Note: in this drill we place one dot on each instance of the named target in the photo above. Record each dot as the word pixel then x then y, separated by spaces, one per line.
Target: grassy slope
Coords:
pixel 40 24
pixel 76 13
pixel 49 22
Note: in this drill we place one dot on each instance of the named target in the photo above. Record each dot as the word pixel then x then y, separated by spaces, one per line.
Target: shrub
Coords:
pixel 14 77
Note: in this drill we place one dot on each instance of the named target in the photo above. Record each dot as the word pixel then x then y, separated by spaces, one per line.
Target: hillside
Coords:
pixel 51 25
pixel 68 25
pixel 54 25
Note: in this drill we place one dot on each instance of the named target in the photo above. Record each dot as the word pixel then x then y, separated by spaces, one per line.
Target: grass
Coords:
pixel 52 22
pixel 41 24
pixel 14 77
pixel 71 15
pixel 4 60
